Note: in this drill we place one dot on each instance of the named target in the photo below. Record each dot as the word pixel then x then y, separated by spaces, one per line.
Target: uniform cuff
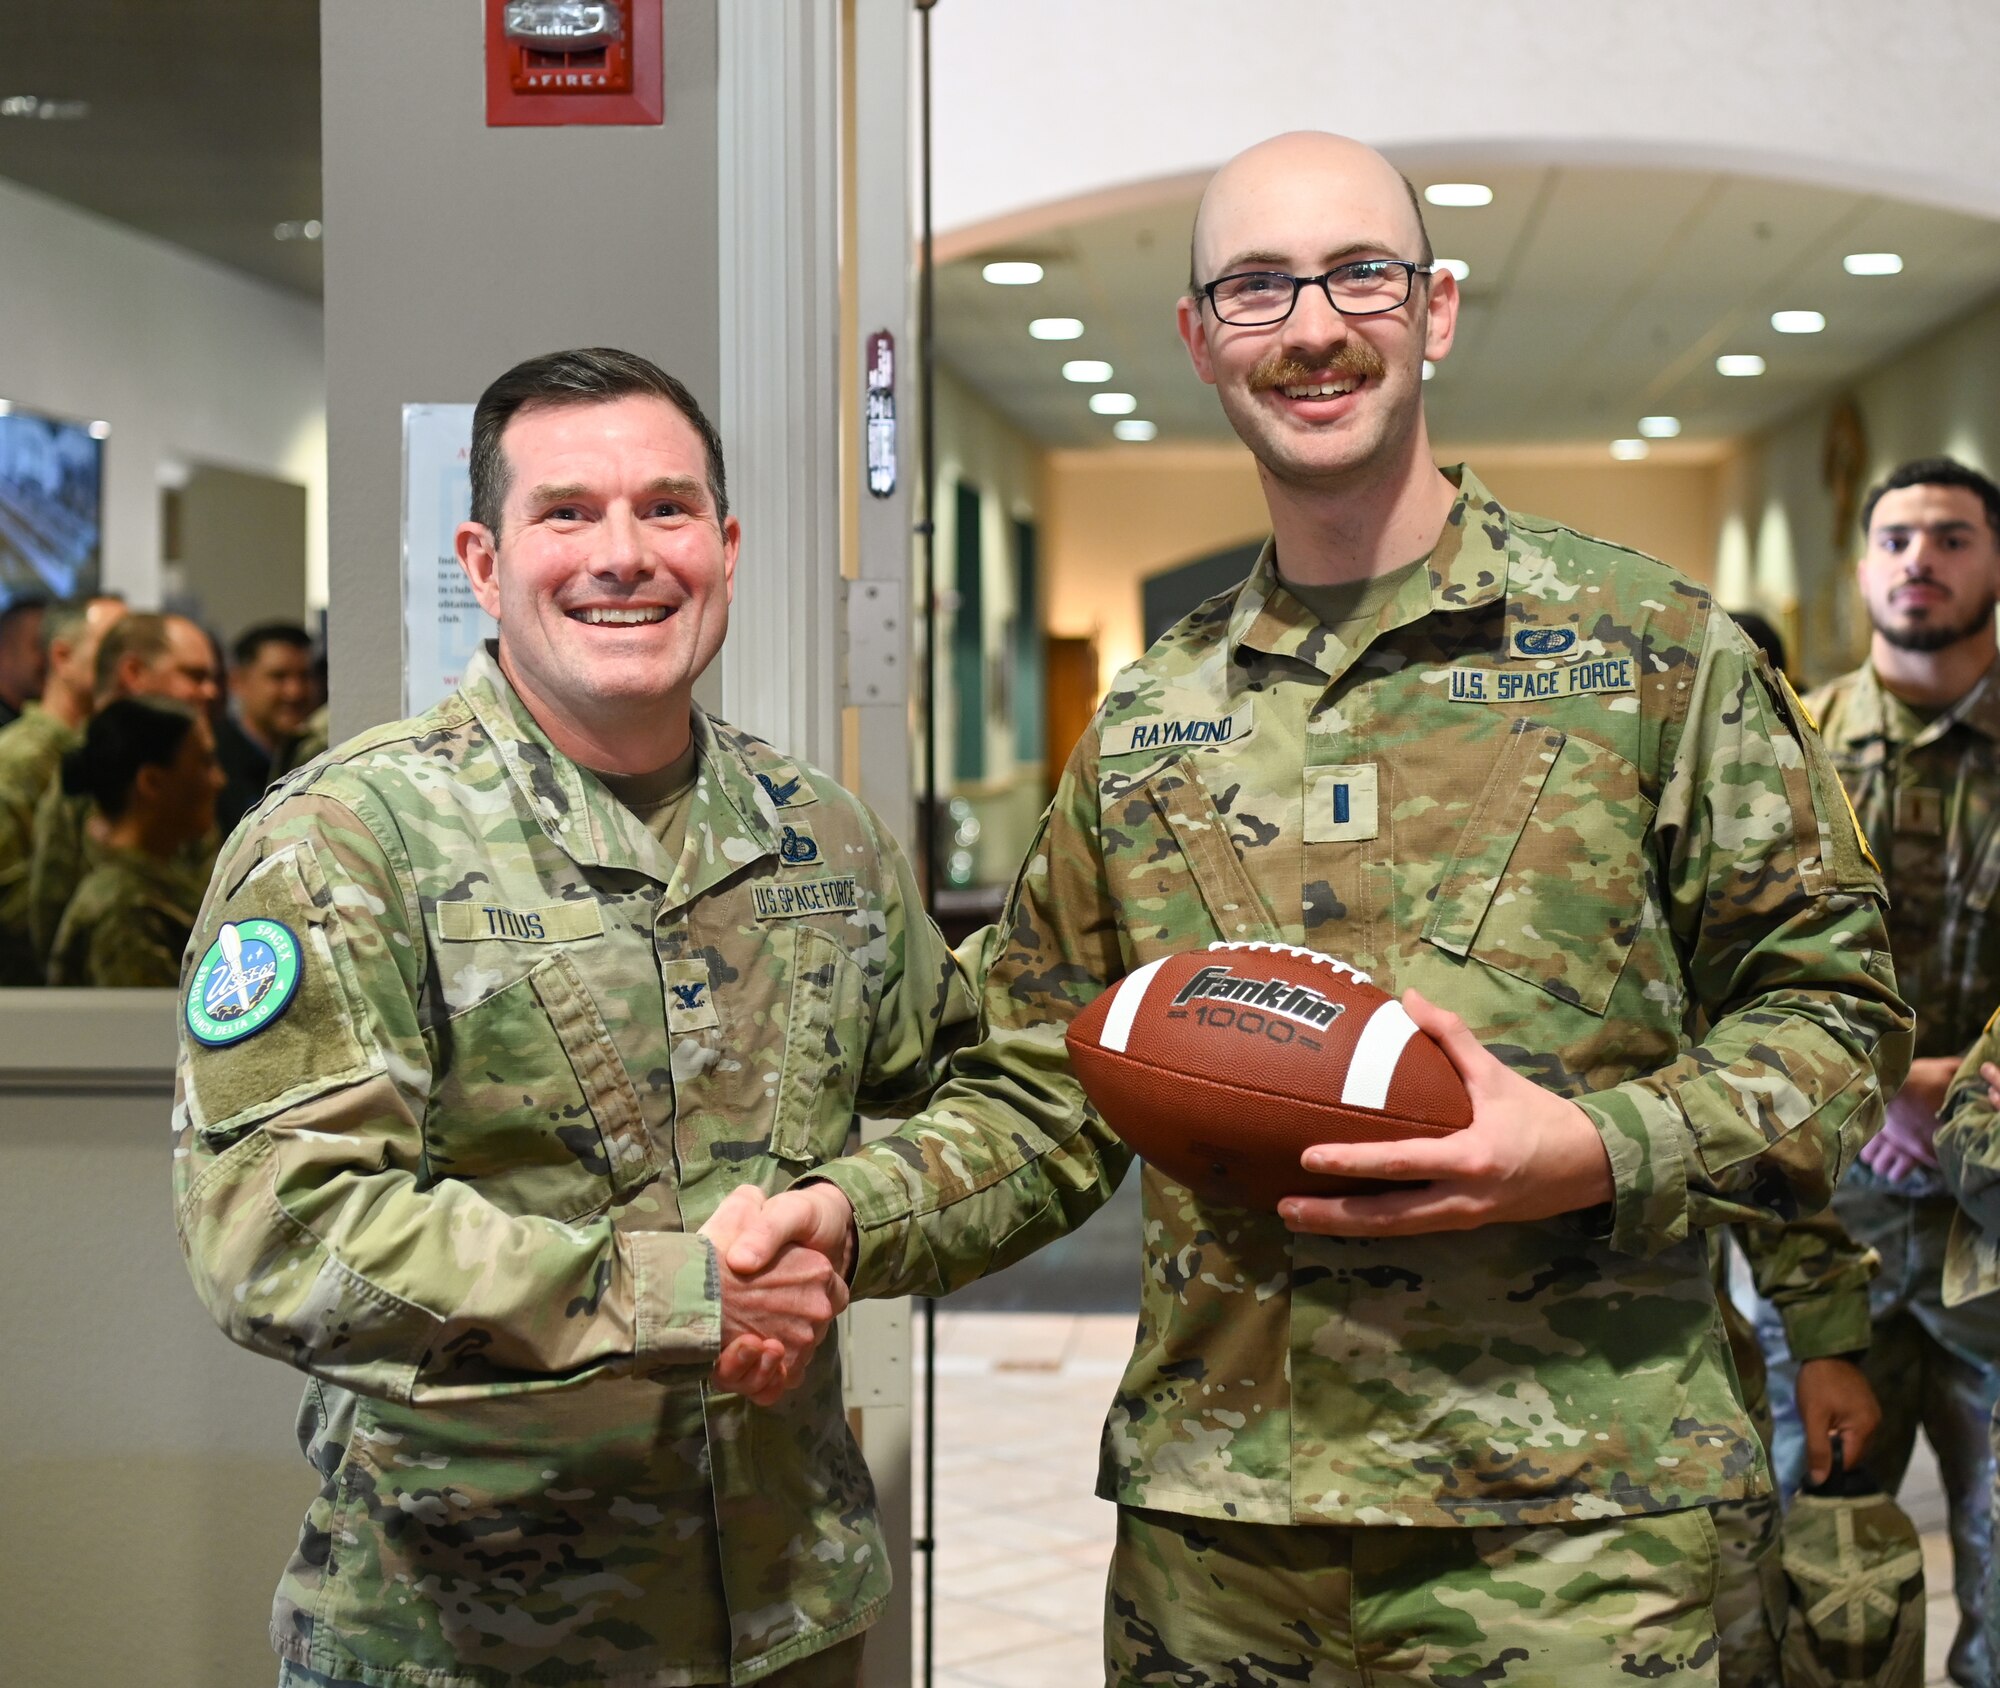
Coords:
pixel 880 1197
pixel 1644 1136
pixel 1831 1325
pixel 676 1296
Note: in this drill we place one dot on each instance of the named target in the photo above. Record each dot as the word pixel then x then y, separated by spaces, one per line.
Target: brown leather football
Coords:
pixel 1221 1066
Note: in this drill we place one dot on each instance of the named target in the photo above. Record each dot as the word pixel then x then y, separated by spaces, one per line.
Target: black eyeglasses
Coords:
pixel 1258 298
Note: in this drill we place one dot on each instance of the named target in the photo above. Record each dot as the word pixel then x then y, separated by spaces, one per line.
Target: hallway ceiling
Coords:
pixel 203 124
pixel 1595 297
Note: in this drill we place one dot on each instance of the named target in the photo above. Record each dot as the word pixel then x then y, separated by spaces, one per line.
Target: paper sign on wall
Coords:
pixel 442 622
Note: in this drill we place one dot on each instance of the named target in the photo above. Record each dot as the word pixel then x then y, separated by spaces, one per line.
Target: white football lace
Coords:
pixel 1293 949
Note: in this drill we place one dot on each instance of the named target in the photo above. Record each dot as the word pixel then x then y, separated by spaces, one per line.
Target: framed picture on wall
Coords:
pixel 51 506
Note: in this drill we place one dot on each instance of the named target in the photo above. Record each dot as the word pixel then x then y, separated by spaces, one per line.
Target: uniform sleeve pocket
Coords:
pixel 534 1109
pixel 1549 877
pixel 823 1034
pixel 313 1043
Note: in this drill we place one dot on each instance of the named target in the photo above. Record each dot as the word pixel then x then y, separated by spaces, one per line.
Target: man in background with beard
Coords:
pixel 1915 733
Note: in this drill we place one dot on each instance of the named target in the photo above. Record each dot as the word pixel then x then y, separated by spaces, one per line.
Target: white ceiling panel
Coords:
pixel 1596 297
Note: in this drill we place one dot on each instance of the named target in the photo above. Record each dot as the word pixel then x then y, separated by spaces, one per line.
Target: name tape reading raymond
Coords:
pixel 815 896
pixel 1516 685
pixel 1194 732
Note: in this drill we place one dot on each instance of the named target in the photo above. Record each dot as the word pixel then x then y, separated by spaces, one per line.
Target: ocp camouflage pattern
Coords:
pixel 31 753
pixel 127 927
pixel 1578 813
pixel 458 1179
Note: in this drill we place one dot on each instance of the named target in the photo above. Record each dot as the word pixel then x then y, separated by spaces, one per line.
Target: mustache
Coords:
pixel 1281 369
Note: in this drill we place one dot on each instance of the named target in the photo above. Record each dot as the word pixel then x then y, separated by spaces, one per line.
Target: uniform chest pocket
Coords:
pixel 826 1035
pixel 1549 879
pixel 532 1105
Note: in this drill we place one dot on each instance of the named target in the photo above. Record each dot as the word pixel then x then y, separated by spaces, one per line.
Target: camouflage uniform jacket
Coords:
pixel 1968 1151
pixel 31 753
pixel 64 851
pixel 458 1181
pixel 1928 797
pixel 128 925
pixel 1557 793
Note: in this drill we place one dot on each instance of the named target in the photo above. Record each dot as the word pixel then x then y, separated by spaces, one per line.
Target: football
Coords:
pixel 1220 1066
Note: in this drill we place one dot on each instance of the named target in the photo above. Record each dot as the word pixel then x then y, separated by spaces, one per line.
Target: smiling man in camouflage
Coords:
pixel 1466 1432
pixel 502 1021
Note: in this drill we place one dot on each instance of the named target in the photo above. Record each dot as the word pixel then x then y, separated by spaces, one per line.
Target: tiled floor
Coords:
pixel 1022 1541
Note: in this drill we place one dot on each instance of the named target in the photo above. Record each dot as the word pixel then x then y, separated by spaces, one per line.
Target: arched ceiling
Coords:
pixel 1595 296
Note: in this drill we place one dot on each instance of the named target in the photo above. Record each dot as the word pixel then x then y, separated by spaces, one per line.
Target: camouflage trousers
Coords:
pixel 1933 1368
pixel 1750 1594
pixel 838 1666
pixel 1205 1603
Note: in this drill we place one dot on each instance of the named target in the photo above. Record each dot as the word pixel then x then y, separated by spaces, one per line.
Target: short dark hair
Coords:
pixel 143 634
pixel 33 603
pixel 1424 253
pixel 250 643
pixel 585 375
pixel 122 738
pixel 1935 471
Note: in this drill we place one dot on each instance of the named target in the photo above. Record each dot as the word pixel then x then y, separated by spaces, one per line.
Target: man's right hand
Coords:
pixel 777 1309
pixel 1834 1396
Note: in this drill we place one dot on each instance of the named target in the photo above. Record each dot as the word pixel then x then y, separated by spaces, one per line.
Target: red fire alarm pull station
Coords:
pixel 553 62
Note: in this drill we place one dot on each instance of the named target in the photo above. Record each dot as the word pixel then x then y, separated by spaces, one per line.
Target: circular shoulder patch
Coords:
pixel 245 981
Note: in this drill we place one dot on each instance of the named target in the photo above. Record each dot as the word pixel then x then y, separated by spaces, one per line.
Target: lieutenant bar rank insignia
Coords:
pixel 246 980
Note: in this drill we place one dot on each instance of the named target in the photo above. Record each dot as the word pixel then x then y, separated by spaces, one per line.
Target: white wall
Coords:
pixel 1042 101
pixel 186 360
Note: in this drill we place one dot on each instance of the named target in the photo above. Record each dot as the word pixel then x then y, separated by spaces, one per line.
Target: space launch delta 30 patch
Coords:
pixel 1588 678
pixel 246 980
pixel 1188 732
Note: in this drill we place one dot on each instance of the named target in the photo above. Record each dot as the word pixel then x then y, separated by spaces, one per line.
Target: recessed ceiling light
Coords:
pixel 1086 369
pixel 1013 274
pixel 1797 322
pixel 299 228
pixel 1873 263
pixel 1629 451
pixel 1133 429
pixel 1739 363
pixel 1459 269
pixel 100 430
pixel 1430 369
pixel 1055 328
pixel 1459 193
pixel 1659 427
pixel 33 106
pixel 1113 404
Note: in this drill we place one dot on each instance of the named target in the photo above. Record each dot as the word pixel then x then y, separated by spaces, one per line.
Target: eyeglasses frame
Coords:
pixel 1410 268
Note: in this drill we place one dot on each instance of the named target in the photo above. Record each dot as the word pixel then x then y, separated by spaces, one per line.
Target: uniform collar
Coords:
pixel 1468 568
pixel 727 825
pixel 1868 714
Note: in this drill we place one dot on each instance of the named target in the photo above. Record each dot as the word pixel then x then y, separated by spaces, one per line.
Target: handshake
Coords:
pixel 783 1261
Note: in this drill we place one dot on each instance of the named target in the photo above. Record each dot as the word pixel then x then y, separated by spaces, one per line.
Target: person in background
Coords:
pixel 1764 636
pixel 270 696
pixel 1915 733
pixel 31 750
pixel 23 660
pixel 149 772
pixel 143 655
